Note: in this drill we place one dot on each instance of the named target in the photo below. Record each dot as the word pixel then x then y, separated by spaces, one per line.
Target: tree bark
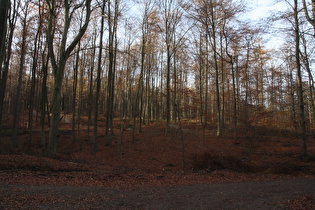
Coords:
pixel 44 101
pixel 33 78
pixel 74 91
pixel 4 53
pixel 4 8
pixel 112 47
pixel 98 79
pixel 17 106
pixel 59 65
pixel 90 96
pixel 300 83
pixel 310 18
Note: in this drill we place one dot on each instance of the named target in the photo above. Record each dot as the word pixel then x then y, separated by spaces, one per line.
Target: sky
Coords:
pixel 260 10
pixel 263 8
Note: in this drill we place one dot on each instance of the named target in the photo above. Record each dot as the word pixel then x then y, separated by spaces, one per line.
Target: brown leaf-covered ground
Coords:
pixel 152 160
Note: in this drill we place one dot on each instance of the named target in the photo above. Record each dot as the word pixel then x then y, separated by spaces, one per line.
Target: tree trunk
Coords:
pixel 5 50
pixel 4 8
pixel 306 62
pixel 90 96
pixel 98 79
pixel 33 83
pixel 74 92
pixel 112 47
pixel 310 18
pixel 168 89
pixel 44 101
pixel 17 106
pixel 300 83
pixel 55 111
pixel 59 65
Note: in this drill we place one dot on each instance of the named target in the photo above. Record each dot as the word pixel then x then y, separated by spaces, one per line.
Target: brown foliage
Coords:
pixel 155 158
pixel 210 163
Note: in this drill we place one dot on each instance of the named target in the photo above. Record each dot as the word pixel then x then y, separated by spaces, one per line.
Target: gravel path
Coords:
pixel 241 195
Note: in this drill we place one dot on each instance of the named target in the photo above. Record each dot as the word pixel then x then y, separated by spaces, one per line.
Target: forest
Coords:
pixel 171 61
pixel 97 69
pixel 105 92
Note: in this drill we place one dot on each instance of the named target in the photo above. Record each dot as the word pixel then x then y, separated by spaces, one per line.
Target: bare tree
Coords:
pixel 4 8
pixel 310 15
pixel 98 77
pixel 59 59
pixel 148 21
pixel 112 16
pixel 38 42
pixel 7 16
pixel 299 80
pixel 171 15
pixel 23 47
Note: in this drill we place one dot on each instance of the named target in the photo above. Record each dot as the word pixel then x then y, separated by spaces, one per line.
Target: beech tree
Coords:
pixel 37 48
pixel 98 77
pixel 59 57
pixel 112 20
pixel 23 48
pixel 148 23
pixel 299 79
pixel 294 18
pixel 146 74
pixel 310 14
pixel 171 16
pixel 213 17
pixel 4 8
pixel 6 36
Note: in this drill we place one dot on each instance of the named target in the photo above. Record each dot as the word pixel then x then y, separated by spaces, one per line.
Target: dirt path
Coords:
pixel 242 195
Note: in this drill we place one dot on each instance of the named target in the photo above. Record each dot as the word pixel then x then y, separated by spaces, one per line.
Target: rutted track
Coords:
pixel 240 195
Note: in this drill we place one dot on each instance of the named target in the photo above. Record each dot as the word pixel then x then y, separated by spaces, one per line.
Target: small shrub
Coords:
pixel 286 168
pixel 209 163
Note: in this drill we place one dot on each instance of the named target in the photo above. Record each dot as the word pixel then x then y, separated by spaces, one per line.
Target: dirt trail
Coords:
pixel 241 195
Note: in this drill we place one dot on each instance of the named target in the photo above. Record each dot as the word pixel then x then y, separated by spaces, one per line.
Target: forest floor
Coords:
pixel 259 168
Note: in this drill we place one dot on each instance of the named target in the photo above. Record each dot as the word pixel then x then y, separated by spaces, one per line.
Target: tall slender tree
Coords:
pixel 23 47
pixel 35 58
pixel 112 17
pixel 310 14
pixel 171 16
pixel 98 77
pixel 5 46
pixel 58 59
pixel 299 80
pixel 4 8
